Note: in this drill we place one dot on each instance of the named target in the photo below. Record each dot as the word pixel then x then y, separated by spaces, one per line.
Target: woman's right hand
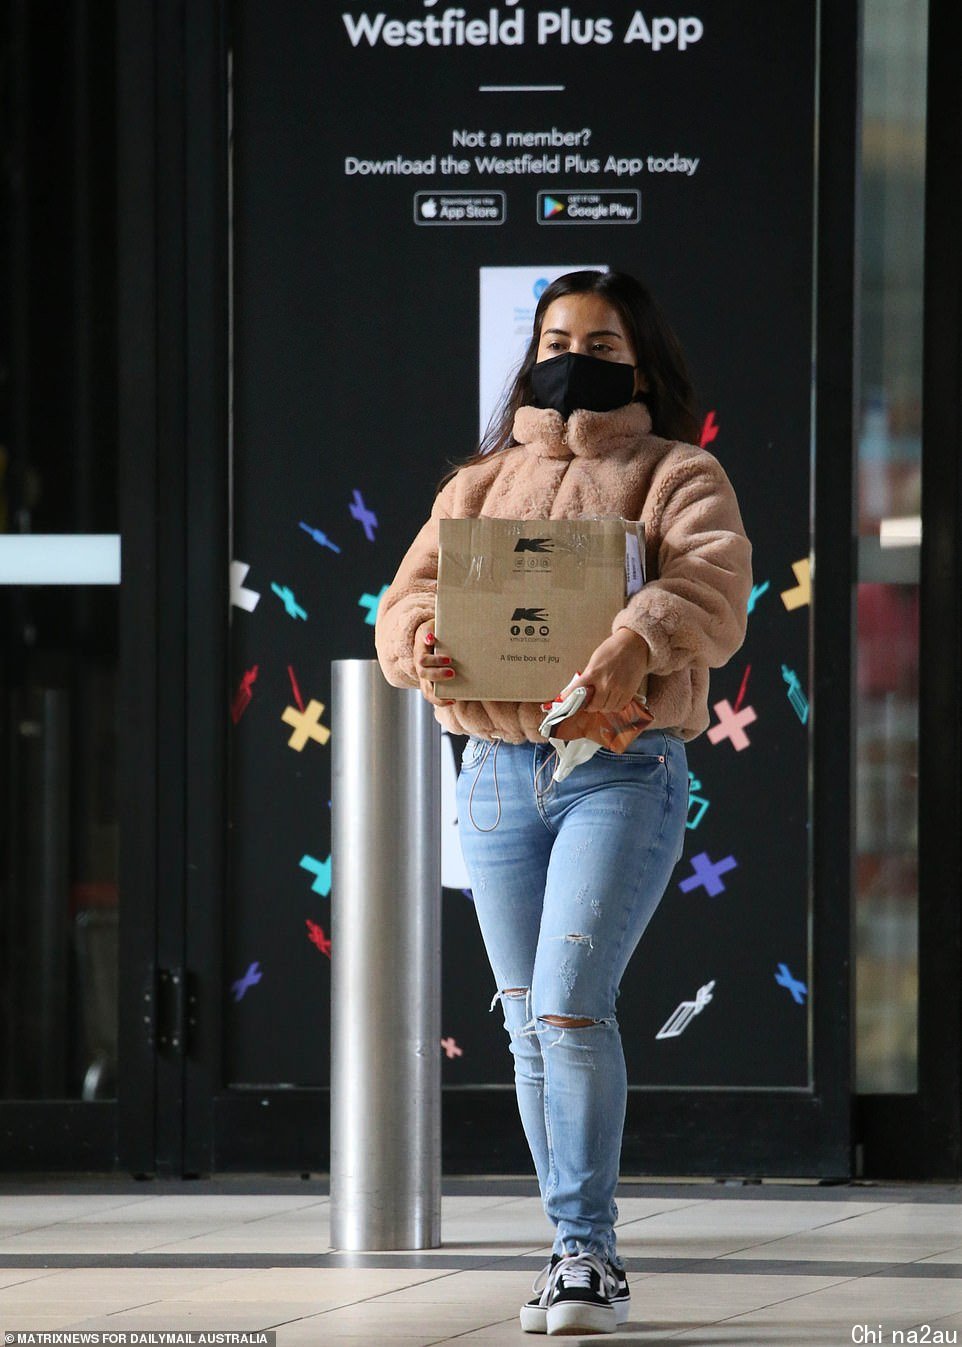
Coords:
pixel 431 667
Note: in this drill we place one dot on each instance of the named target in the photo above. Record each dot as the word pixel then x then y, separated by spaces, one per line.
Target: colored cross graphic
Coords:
pixel 306 725
pixel 731 724
pixel 707 873
pixel 293 608
pixel 321 870
pixel 319 537
pixel 372 602
pixel 709 430
pixel 802 593
pixel 244 694
pixel 250 978
pixel 744 684
pixel 693 799
pixel 239 596
pixel 451 1048
pixel 365 517
pixel 317 936
pixel 756 594
pixel 295 687
pixel 784 979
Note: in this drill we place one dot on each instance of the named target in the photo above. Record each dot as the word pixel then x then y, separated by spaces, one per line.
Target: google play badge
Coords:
pixel 552 206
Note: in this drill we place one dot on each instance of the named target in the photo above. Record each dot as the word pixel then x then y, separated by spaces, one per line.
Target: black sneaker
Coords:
pixel 534 1313
pixel 621 1299
pixel 579 1295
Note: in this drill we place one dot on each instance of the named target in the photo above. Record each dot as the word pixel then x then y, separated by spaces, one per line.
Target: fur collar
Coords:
pixel 585 434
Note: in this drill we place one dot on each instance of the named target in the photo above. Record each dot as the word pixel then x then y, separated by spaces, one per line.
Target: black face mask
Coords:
pixel 568 382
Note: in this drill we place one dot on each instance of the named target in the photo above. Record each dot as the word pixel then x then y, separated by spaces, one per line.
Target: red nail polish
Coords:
pixel 446 659
pixel 430 636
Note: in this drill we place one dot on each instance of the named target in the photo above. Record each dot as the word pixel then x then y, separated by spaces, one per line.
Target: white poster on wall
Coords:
pixel 509 296
pixel 454 872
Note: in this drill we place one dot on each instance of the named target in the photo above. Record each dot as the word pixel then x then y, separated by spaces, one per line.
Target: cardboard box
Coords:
pixel 523 603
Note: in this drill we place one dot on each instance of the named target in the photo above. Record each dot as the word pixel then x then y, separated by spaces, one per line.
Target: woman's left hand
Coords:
pixel 615 671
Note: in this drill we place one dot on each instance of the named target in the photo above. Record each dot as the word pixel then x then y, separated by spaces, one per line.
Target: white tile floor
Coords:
pixel 775 1264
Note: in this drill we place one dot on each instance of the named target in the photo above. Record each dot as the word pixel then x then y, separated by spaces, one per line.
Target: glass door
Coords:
pixel 60 570
pixel 907 910
pixel 889 535
pixel 59 897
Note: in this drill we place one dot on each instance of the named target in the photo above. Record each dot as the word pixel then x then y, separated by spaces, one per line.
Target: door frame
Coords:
pixel 173 425
pixel 804 1131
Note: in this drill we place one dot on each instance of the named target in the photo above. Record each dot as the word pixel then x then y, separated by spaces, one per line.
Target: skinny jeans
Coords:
pixel 565 877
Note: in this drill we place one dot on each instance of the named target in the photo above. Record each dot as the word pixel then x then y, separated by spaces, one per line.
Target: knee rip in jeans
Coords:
pixel 516 994
pixel 568 1022
pixel 571 1021
pixel 513 993
pixel 562 1022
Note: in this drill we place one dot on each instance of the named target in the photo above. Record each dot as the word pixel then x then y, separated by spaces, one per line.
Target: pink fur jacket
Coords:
pixel 693 610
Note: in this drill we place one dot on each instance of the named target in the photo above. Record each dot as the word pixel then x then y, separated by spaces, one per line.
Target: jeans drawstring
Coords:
pixel 496 741
pixel 557 759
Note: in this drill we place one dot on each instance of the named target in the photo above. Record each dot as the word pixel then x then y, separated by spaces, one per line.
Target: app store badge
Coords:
pixel 460 208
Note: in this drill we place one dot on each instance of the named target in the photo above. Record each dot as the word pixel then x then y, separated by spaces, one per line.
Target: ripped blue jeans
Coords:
pixel 566 876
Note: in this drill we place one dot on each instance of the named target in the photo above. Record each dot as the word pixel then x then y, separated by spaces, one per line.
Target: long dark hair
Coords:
pixel 670 397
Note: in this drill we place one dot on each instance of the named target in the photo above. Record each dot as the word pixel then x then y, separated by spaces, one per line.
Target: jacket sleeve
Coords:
pixel 695 612
pixel 410 598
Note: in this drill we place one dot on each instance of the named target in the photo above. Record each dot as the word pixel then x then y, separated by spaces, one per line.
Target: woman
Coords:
pixel 567 874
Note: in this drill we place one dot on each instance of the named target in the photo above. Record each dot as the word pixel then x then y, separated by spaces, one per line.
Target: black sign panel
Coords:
pixel 407 178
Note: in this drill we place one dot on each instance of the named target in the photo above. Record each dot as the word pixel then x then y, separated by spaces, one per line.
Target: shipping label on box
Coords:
pixel 523 603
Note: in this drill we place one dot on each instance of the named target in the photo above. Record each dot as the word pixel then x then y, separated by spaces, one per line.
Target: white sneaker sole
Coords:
pixel 572 1318
pixel 534 1319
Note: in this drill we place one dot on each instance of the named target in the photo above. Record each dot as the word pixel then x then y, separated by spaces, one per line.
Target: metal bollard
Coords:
pixel 385 963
